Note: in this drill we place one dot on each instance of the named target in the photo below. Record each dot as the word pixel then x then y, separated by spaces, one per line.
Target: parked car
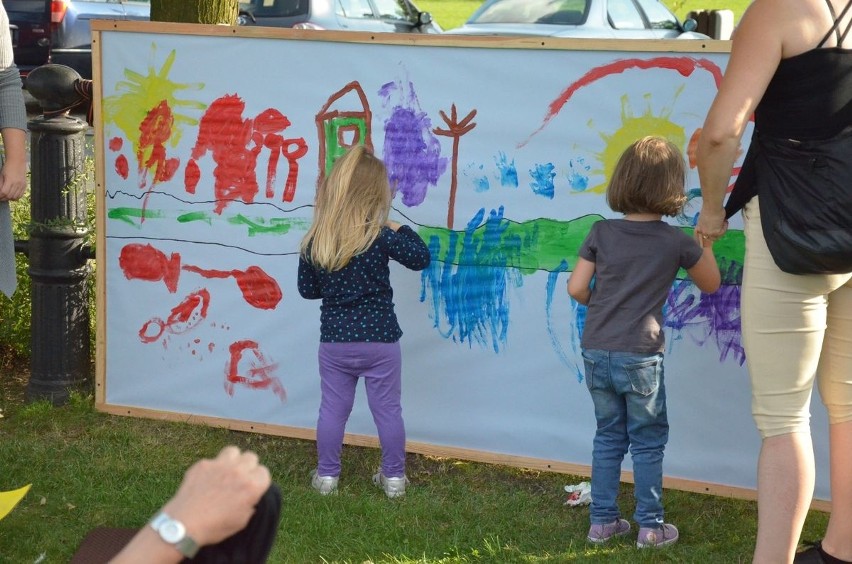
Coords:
pixel 399 16
pixel 606 19
pixel 58 31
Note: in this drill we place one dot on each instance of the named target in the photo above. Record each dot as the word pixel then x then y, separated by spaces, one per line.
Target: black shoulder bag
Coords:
pixel 805 190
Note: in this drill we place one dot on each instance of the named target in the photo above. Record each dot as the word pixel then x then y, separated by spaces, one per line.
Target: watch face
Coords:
pixel 172 531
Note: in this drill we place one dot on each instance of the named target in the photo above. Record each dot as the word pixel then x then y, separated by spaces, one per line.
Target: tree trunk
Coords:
pixel 195 11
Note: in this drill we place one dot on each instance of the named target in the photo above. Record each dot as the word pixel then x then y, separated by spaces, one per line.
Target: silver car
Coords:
pixel 604 19
pixel 399 16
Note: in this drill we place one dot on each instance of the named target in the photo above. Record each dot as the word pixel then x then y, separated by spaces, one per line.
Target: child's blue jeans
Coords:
pixel 629 394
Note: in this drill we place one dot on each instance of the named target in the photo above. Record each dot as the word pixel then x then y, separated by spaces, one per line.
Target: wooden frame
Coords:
pixel 491 43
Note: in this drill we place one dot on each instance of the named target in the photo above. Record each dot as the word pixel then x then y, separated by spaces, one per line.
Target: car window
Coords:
pixel 278 8
pixel 355 9
pixel 565 12
pixel 392 9
pixel 27 11
pixel 658 15
pixel 623 14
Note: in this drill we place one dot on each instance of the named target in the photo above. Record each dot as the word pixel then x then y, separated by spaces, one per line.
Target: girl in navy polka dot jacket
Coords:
pixel 344 261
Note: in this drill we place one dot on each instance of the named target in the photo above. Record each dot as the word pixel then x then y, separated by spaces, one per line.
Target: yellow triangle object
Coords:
pixel 8 500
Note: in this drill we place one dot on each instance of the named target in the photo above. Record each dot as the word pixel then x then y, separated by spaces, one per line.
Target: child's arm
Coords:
pixel 579 284
pixel 705 273
pixel 307 282
pixel 407 248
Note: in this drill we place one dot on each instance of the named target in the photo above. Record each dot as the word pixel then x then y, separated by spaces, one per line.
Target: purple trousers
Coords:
pixel 340 366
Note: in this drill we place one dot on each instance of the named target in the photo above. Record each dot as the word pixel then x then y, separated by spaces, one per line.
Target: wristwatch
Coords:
pixel 173 532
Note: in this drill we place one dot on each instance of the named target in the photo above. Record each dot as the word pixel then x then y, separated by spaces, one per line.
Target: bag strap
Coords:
pixel 835 27
pixel 745 187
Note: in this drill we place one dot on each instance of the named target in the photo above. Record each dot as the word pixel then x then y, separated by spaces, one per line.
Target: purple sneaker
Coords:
pixel 656 537
pixel 600 533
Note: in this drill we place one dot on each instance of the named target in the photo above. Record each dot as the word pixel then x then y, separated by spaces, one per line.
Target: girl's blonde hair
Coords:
pixel 649 178
pixel 351 207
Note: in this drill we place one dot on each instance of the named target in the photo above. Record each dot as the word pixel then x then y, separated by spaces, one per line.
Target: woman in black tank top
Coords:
pixel 790 70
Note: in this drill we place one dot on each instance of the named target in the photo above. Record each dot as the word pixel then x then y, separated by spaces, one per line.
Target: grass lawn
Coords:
pixel 453 13
pixel 89 469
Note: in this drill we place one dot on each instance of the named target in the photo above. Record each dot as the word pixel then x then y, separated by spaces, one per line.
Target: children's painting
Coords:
pixel 211 148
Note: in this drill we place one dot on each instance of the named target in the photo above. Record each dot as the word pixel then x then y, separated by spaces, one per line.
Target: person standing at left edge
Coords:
pixel 13 130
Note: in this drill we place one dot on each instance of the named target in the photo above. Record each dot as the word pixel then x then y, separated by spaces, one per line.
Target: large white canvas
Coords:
pixel 201 315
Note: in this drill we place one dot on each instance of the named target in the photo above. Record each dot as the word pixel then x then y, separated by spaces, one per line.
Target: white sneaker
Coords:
pixel 394 487
pixel 324 484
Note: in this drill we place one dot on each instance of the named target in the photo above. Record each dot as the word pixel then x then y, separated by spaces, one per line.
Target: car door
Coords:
pixel 628 21
pixel 288 13
pixel 664 23
pixel 396 15
pixel 361 15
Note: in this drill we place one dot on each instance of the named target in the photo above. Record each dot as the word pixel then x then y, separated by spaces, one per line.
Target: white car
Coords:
pixel 601 19
pixel 400 16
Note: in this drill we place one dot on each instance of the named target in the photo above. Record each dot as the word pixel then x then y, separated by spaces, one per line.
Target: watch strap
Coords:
pixel 185 545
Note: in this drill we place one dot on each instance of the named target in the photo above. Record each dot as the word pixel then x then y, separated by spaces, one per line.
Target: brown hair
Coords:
pixel 351 207
pixel 649 178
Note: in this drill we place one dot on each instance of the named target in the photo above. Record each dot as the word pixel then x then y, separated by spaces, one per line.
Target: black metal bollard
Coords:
pixel 59 270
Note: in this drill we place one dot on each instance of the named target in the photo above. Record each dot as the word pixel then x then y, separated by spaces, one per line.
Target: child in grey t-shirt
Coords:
pixel 623 274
